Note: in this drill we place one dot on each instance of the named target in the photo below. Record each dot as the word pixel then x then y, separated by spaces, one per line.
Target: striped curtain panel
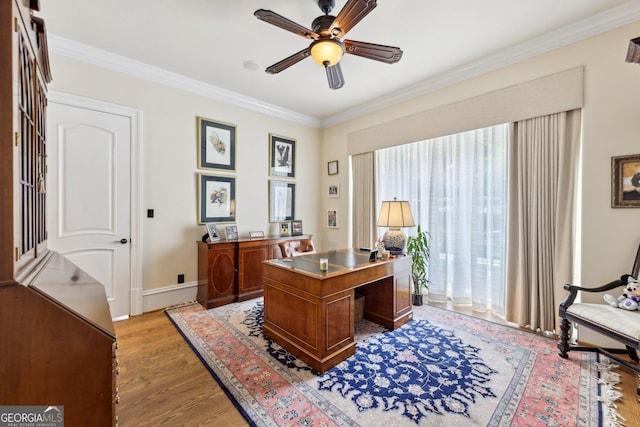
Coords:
pixel 363 200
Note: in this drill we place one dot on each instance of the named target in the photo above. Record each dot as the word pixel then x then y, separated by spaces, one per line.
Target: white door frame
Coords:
pixel 135 117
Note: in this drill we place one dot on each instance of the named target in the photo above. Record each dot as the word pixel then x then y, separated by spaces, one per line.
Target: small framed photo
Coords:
pixel 216 145
pixel 282 156
pixel 213 233
pixel 216 199
pixel 625 181
pixel 333 190
pixel 284 228
pixel 332 167
pixel 256 235
pixel 332 218
pixel 231 232
pixel 296 228
pixel 282 201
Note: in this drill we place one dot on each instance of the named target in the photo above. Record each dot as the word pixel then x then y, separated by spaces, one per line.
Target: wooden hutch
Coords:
pixel 56 334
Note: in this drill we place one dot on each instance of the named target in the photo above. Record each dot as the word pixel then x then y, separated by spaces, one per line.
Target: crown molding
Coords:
pixel 594 25
pixel 613 18
pixel 102 58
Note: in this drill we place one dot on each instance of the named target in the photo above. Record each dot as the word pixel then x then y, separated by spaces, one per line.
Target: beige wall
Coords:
pixel 169 164
pixel 611 127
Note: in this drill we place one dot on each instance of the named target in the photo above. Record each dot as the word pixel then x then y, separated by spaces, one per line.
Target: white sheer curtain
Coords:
pixel 456 186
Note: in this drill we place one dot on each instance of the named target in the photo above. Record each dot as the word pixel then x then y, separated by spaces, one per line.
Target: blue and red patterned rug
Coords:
pixel 441 369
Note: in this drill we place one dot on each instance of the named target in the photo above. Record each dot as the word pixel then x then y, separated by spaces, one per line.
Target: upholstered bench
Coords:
pixel 616 323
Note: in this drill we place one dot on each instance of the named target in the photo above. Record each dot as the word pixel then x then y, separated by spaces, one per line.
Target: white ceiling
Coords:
pixel 210 40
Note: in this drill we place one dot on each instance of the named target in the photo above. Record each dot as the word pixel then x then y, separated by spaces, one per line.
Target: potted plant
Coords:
pixel 418 248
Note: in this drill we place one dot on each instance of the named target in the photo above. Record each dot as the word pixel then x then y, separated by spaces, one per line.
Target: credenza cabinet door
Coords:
pixel 217 274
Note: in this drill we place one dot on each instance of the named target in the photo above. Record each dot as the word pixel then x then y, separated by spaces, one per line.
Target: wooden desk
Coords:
pixel 310 313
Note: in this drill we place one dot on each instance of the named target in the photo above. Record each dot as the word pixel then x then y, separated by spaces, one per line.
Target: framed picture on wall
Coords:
pixel 332 167
pixel 282 156
pixel 332 218
pixel 216 145
pixel 282 201
pixel 333 190
pixel 216 199
pixel 625 181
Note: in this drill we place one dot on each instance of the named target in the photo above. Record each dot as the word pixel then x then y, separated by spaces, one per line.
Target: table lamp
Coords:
pixel 395 214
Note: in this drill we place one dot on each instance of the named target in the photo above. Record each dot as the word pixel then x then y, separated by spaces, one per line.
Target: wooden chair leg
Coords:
pixel 563 340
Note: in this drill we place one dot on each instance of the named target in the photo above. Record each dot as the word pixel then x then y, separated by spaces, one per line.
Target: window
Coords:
pixel 456 186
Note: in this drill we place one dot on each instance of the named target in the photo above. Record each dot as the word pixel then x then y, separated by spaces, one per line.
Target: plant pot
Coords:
pixel 417 299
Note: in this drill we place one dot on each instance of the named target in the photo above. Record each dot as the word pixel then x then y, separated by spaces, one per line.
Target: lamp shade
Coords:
pixel 395 213
pixel 327 52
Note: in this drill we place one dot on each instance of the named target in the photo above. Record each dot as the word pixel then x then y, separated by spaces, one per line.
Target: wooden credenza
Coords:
pixel 230 271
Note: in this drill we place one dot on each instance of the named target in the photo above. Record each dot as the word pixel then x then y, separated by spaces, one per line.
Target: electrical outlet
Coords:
pixel 180 278
pixel 149 213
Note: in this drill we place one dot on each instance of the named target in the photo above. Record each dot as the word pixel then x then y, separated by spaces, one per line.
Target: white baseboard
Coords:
pixel 157 299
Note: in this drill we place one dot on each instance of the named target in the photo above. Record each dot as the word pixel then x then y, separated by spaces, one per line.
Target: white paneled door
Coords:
pixel 88 195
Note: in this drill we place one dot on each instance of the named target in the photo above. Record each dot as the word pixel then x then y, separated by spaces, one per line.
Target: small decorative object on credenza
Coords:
pixel 296 228
pixel 231 232
pixel 633 53
pixel 395 214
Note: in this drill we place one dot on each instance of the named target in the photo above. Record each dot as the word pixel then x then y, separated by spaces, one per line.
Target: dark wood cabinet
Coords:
pixel 56 334
pixel 232 271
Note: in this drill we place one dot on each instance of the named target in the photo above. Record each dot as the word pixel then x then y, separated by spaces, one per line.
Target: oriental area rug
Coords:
pixel 441 369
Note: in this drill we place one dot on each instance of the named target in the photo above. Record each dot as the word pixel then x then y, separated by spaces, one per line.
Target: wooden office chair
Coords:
pixel 291 248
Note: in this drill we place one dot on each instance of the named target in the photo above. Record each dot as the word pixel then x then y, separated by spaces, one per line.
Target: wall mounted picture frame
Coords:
pixel 282 156
pixel 333 191
pixel 296 228
pixel 282 201
pixel 216 198
pixel 332 167
pixel 231 232
pixel 213 232
pixel 332 218
pixel 625 181
pixel 216 145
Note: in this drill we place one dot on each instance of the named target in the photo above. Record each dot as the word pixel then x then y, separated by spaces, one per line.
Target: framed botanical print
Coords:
pixel 625 181
pixel 282 201
pixel 282 156
pixel 216 145
pixel 216 199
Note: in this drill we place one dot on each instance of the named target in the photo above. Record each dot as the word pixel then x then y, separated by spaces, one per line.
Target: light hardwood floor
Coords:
pixel 163 382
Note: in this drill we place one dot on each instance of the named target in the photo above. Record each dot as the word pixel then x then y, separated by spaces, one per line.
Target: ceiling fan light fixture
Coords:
pixel 327 52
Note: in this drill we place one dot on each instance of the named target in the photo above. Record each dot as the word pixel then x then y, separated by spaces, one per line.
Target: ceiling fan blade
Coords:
pixel 288 62
pixel 378 52
pixel 284 23
pixel 350 15
pixel 335 77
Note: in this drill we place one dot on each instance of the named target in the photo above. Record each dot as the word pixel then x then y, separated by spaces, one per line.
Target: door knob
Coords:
pixel 123 241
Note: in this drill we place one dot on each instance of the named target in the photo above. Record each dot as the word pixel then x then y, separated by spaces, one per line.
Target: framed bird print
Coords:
pixel 282 156
pixel 217 145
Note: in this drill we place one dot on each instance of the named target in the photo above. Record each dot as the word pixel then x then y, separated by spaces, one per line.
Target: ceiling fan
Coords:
pixel 327 30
